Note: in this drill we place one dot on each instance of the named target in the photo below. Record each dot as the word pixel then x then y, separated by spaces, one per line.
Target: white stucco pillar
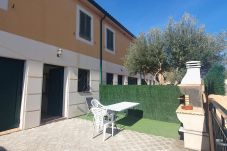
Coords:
pixel 32 95
pixel 149 82
pixel 103 77
pixel 125 80
pixel 115 79
pixel 139 81
pixel 66 89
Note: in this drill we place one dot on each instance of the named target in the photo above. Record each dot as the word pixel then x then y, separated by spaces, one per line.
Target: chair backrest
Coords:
pixel 96 103
pixel 88 102
pixel 99 114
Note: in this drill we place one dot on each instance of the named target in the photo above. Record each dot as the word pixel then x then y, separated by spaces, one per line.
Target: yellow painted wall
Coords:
pixel 54 22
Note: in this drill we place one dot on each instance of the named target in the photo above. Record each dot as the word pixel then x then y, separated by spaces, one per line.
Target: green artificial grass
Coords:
pixel 143 125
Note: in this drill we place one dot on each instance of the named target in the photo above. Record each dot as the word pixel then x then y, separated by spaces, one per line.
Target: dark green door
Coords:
pixel 11 81
pixel 55 93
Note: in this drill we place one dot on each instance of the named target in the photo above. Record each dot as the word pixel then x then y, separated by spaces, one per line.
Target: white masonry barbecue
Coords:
pixel 194 128
pixel 192 75
pixel 191 84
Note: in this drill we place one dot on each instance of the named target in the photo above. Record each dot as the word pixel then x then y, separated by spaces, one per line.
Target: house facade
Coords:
pixel 50 58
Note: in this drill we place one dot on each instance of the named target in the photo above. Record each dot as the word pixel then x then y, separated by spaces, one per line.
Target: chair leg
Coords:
pixel 94 129
pixel 104 132
pixel 112 129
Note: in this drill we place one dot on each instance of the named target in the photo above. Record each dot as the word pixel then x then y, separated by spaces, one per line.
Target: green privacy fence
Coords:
pixel 157 102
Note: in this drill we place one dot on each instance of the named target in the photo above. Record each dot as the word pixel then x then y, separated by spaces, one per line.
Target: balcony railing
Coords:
pixel 217 125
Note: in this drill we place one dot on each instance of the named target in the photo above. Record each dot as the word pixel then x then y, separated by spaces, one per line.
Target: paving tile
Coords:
pixel 76 134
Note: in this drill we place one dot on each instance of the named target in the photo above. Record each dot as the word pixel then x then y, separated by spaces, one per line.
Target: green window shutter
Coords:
pixel 110 40
pixel 85 26
pixel 82 24
pixel 88 28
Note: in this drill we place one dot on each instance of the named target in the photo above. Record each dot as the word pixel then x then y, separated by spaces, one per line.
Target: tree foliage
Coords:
pixel 215 80
pixel 166 51
pixel 186 41
pixel 145 55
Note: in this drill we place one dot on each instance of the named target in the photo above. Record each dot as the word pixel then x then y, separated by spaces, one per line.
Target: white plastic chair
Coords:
pixel 96 103
pixel 99 121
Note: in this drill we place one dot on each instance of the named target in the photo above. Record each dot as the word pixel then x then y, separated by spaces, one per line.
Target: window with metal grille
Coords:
pixel 83 80
pixel 143 82
pixel 109 78
pixel 132 81
pixel 120 80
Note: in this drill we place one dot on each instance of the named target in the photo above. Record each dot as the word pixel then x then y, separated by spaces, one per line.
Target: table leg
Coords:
pixel 113 118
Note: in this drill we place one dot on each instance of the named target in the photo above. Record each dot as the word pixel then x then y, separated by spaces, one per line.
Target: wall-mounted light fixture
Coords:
pixel 11 3
pixel 59 52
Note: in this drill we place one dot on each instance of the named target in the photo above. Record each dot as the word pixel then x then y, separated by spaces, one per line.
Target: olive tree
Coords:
pixel 146 56
pixel 186 40
pixel 165 52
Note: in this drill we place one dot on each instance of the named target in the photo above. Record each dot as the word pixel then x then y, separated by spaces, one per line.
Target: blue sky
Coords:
pixel 142 15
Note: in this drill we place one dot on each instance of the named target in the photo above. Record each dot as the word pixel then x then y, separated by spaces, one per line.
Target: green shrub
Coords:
pixel 215 80
pixel 156 102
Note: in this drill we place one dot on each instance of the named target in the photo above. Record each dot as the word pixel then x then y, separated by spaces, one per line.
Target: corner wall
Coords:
pixel 36 54
pixel 33 77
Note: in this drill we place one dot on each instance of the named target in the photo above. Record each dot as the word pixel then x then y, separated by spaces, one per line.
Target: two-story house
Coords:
pixel 53 54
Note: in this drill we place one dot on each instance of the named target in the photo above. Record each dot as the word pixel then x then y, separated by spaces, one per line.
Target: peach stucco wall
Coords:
pixel 54 22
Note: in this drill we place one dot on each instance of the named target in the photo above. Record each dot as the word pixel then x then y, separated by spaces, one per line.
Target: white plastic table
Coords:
pixel 119 107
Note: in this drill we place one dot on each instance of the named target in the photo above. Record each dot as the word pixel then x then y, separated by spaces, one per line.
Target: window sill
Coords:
pixel 85 92
pixel 110 51
pixel 84 40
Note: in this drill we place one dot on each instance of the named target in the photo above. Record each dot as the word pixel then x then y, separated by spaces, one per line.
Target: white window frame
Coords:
pixel 79 8
pixel 4 4
pixel 114 48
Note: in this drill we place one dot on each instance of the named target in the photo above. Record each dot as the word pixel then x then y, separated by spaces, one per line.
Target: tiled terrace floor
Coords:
pixel 76 135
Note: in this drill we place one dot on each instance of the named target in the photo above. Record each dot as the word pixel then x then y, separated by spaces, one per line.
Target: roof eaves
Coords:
pixel 111 17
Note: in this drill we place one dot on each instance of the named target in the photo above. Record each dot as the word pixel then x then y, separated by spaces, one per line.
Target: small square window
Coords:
pixel 109 78
pixel 143 82
pixel 83 80
pixel 132 81
pixel 120 80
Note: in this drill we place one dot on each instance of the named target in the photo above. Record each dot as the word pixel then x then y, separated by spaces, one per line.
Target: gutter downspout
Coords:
pixel 101 48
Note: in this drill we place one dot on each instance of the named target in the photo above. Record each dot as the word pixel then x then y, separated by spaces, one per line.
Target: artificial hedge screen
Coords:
pixel 157 102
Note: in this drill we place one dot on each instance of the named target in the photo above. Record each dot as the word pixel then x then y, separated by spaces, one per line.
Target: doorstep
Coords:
pixel 9 131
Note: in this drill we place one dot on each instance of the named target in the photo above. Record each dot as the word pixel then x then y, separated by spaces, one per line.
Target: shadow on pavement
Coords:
pixel 133 116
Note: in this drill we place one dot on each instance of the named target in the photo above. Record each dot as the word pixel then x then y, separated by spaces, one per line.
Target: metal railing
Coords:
pixel 217 126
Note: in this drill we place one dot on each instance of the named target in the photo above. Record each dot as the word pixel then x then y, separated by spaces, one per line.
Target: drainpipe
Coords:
pixel 101 48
